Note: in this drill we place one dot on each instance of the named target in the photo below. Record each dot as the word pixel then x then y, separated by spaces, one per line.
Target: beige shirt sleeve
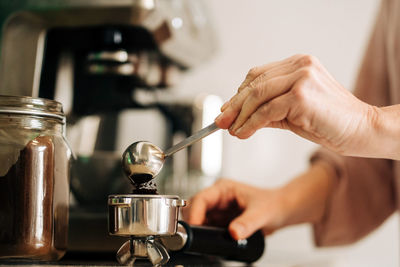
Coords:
pixel 364 193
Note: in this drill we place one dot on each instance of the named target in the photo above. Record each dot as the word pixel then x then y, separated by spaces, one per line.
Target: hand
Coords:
pixel 245 209
pixel 242 208
pixel 299 94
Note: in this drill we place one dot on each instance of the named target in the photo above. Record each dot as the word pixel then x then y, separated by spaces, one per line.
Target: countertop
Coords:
pixel 106 259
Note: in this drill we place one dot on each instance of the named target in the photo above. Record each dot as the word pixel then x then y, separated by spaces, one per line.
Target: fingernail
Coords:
pixel 232 129
pixel 238 131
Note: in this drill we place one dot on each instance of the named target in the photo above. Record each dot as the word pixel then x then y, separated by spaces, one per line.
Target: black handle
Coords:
pixel 218 242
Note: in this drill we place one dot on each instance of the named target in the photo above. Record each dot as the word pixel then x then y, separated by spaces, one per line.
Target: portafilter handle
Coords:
pixel 215 241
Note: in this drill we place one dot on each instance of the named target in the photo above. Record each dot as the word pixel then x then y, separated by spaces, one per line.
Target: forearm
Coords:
pixel 306 196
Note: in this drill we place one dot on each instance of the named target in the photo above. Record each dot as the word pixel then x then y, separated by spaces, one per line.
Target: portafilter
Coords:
pixel 151 223
pixel 143 218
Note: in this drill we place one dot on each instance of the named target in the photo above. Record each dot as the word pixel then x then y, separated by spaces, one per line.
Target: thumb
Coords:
pixel 246 224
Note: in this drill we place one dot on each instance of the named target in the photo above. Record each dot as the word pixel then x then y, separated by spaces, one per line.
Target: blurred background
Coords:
pixel 145 70
pixel 252 33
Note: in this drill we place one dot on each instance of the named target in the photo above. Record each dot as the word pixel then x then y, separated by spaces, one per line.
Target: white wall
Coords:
pixel 256 32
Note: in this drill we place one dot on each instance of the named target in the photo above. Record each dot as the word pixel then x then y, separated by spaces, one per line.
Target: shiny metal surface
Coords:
pixel 192 139
pixel 177 241
pixel 157 253
pixel 142 248
pixel 142 158
pixel 125 254
pixel 182 30
pixel 143 215
pixel 145 158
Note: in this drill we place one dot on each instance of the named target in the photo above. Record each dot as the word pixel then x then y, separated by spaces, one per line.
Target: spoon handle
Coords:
pixel 192 139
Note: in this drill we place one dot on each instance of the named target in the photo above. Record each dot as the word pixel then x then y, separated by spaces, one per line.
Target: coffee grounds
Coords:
pixel 143 184
pixel 149 188
pixel 34 201
pixel 21 218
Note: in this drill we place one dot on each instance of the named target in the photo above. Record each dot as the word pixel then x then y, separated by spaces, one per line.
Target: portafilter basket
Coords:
pixel 141 216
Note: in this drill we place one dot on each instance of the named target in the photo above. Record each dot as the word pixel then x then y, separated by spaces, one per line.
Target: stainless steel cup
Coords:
pixel 143 215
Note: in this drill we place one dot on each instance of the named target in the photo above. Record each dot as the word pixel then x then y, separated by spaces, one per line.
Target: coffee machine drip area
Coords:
pixel 113 66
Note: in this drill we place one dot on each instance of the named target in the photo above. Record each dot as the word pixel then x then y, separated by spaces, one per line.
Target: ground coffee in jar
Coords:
pixel 34 179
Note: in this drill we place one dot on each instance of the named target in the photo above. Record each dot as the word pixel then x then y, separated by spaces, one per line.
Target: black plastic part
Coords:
pixel 217 241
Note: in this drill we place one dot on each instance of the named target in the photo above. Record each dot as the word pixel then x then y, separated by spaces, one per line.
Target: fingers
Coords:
pixel 268 70
pixel 251 75
pixel 263 91
pixel 201 203
pixel 249 214
pixel 246 224
pixel 225 119
pixel 250 98
pixel 271 114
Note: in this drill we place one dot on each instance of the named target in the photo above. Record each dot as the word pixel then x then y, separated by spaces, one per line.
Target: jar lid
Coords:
pixel 26 105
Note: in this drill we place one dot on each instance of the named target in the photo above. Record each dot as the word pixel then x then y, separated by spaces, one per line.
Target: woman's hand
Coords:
pixel 300 95
pixel 244 209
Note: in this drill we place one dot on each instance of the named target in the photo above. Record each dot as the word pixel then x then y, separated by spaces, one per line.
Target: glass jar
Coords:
pixel 34 179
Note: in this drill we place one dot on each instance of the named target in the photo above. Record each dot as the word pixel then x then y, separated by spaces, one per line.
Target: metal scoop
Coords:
pixel 142 160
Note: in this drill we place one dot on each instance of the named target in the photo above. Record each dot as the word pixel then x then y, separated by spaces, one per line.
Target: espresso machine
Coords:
pixel 113 65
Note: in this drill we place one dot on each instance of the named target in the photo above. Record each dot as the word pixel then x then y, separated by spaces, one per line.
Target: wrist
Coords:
pixel 385 140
